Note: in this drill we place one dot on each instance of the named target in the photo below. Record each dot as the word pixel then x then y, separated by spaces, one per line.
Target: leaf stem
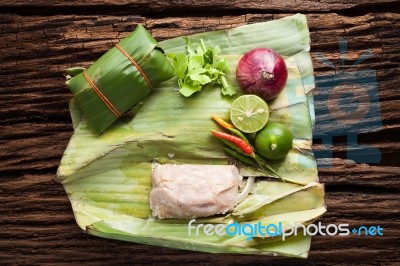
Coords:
pixel 203 46
pixel 224 83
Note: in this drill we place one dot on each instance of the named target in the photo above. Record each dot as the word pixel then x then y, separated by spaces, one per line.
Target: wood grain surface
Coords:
pixel 39 39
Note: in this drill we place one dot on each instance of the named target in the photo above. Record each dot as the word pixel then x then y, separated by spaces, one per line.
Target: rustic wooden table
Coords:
pixel 39 39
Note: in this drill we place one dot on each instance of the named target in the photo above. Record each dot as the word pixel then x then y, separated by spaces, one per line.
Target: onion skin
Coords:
pixel 262 72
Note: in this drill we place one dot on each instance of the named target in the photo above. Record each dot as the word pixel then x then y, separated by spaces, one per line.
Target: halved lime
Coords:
pixel 249 113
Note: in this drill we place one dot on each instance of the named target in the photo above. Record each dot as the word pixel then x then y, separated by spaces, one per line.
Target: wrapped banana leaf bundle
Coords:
pixel 119 79
pixel 108 177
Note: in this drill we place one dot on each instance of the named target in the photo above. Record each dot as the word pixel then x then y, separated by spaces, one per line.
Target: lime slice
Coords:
pixel 249 113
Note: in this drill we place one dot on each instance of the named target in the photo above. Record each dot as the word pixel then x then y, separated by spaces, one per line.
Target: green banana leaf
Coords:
pixel 114 70
pixel 108 177
pixel 260 203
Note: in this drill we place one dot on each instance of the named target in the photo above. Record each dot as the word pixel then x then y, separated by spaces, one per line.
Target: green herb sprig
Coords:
pixel 200 67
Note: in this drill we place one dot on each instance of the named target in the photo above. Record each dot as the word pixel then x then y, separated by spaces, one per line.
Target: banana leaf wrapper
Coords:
pixel 119 79
pixel 108 177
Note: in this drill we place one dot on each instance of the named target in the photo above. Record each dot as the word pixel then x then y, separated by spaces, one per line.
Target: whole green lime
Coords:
pixel 274 141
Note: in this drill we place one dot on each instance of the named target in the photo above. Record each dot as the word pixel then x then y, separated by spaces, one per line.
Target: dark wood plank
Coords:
pixel 178 6
pixel 36 219
pixel 38 223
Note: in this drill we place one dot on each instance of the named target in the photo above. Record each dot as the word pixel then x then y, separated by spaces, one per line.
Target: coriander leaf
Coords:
pixel 188 89
pixel 200 67
pixel 180 65
pixel 197 70
pixel 208 57
pixel 195 61
pixel 223 66
pixel 202 79
pixel 213 73
pixel 216 50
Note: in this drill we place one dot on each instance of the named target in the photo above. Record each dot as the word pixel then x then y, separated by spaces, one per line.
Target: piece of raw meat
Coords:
pixel 190 191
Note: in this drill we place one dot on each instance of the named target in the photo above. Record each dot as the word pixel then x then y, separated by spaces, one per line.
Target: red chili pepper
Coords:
pixel 231 128
pixel 241 144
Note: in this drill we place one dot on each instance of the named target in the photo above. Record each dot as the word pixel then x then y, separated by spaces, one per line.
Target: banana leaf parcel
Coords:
pixel 108 177
pixel 119 79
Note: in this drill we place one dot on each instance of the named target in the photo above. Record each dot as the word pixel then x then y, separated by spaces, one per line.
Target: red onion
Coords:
pixel 263 72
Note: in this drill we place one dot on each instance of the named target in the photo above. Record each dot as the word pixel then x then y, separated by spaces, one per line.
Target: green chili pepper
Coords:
pixel 239 134
pixel 243 158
